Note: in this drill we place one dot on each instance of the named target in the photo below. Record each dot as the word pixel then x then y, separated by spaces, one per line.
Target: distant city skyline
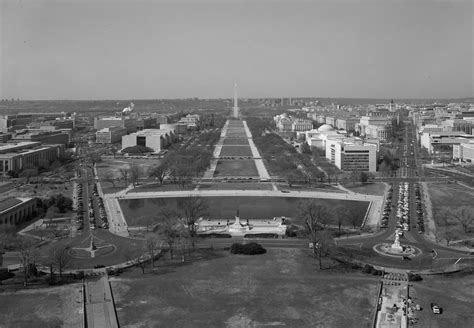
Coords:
pixel 93 50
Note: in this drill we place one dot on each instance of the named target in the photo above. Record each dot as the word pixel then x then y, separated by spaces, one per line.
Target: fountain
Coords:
pixel 396 249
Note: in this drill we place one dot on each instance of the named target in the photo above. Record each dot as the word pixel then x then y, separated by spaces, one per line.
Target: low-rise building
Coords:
pixel 124 122
pixel 16 210
pixel 110 135
pixel 443 141
pixel 15 156
pixel 464 152
pixel 156 139
pixel 301 125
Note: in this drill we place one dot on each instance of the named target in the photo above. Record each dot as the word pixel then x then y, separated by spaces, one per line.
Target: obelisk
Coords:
pixel 236 105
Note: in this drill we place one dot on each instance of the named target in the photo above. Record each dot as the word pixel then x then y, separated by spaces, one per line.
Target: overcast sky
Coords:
pixel 104 49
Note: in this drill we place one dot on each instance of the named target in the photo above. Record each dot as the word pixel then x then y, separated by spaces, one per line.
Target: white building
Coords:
pixel 352 155
pixel 443 141
pixel 464 152
pixel 156 139
pixel 318 137
pixel 110 135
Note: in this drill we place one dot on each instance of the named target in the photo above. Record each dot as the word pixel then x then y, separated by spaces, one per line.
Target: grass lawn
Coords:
pixel 122 248
pixel 236 141
pixel 453 293
pixel 114 165
pixel 280 288
pixel 444 195
pixel 242 185
pixel 235 134
pixel 236 168
pixel 158 187
pixel 376 188
pixel 44 307
pixel 225 207
pixel 236 151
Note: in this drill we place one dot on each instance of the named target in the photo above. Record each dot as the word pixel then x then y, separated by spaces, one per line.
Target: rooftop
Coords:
pixel 9 203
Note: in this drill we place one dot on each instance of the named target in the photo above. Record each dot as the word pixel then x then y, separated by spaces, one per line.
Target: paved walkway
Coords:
pixel 117 223
pixel 429 224
pixel 209 174
pixel 262 170
pixel 100 311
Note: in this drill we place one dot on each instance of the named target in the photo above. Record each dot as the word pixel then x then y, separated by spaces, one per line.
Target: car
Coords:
pixel 435 308
pixel 285 191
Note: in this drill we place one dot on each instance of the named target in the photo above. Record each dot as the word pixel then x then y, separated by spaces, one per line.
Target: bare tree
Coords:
pixel 152 245
pixel 340 215
pixel 192 209
pixel 170 226
pixel 135 173
pixel 465 216
pixel 448 233
pixel 124 173
pixel 27 256
pixel 110 177
pixel 315 216
pixel 59 258
pixel 160 172
pixel 136 258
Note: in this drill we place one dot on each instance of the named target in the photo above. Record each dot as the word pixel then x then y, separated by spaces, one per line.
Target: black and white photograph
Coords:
pixel 236 163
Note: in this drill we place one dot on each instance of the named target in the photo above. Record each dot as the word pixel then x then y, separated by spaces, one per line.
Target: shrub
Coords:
pixel 261 235
pixel 414 277
pixel 247 249
pixel 368 269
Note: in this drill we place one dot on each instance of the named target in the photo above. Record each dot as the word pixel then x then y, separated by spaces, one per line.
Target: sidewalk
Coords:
pixel 100 308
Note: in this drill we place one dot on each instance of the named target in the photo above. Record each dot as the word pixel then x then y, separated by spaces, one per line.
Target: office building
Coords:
pixel 15 156
pixel 352 155
pixel 110 135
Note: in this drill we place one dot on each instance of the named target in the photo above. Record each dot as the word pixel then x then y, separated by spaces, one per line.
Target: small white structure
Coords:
pixel 261 226
pixel 396 247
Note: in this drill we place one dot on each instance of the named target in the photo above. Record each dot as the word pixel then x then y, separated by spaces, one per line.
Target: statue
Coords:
pixel 396 243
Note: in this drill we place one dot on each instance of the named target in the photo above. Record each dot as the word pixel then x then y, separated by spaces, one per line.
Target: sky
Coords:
pixel 144 49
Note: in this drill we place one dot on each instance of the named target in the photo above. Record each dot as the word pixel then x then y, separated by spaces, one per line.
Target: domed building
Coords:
pixel 318 137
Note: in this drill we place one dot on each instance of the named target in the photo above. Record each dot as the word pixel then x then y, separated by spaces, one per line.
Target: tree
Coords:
pixel 315 217
pixel 305 148
pixel 110 177
pixel 170 226
pixel 447 233
pixel 136 258
pixel 95 157
pixel 160 172
pixel 152 245
pixel 124 173
pixel 465 216
pixel 135 174
pixel 29 171
pixel 27 256
pixel 340 215
pixel 193 208
pixel 114 150
pixel 43 165
pixel 60 258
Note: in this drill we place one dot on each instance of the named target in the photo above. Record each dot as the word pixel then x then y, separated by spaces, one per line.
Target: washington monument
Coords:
pixel 236 110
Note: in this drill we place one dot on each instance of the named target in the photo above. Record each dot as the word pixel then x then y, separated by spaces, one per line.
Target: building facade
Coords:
pixel 155 139
pixel 350 155
pixel 15 156
pixel 110 135
pixel 16 210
